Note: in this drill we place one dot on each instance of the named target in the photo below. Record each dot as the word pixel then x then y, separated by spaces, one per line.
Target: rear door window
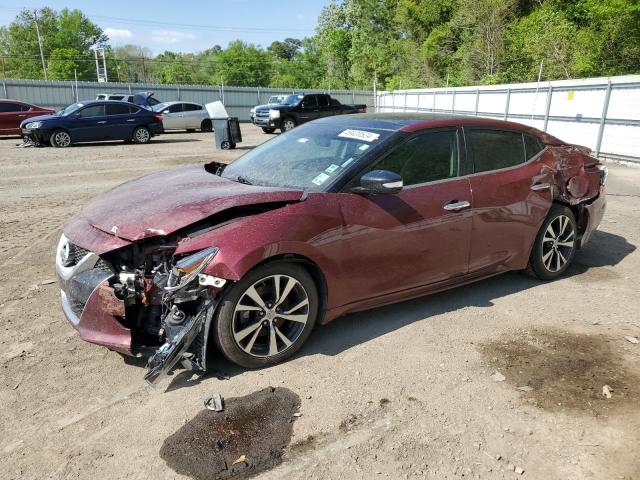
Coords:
pixel 116 109
pixel 323 100
pixel 92 111
pixel 427 157
pixel 192 107
pixel 175 108
pixel 495 149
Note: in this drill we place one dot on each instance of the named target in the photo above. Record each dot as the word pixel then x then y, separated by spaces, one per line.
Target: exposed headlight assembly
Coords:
pixel 274 113
pixel 33 125
pixel 188 269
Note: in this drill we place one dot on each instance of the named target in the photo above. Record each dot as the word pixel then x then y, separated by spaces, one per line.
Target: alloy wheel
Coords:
pixel 62 139
pixel 288 125
pixel 270 316
pixel 558 243
pixel 142 135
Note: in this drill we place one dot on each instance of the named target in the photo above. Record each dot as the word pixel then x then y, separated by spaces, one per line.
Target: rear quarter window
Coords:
pixel 495 149
pixel 532 146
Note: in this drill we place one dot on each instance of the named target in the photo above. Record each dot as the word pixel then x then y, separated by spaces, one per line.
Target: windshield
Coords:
pixel 275 100
pixel 292 99
pixel 310 157
pixel 159 107
pixel 69 110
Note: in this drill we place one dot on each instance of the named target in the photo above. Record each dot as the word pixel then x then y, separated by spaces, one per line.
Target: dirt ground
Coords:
pixel 476 382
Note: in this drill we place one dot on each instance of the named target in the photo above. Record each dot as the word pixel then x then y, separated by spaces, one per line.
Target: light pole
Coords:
pixel 44 65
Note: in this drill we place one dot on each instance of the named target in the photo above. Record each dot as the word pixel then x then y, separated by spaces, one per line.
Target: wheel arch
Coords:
pixel 581 215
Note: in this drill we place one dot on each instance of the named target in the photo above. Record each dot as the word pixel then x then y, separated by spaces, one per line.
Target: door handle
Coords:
pixel 131 120
pixel 455 206
pixel 540 186
pixel 21 116
pixel 102 121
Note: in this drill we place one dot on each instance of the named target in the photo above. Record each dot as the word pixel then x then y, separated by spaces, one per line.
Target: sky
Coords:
pixel 188 25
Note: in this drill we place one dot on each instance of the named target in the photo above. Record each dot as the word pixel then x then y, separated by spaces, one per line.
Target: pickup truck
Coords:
pixel 300 108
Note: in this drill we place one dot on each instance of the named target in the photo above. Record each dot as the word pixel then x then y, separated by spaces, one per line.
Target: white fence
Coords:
pixel 600 113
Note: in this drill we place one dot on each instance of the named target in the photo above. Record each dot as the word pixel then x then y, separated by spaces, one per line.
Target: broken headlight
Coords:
pixel 187 269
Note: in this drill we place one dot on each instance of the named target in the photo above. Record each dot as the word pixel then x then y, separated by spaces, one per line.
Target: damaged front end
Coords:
pixel 141 300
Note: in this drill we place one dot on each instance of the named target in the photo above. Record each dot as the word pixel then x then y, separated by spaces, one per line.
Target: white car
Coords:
pixel 184 116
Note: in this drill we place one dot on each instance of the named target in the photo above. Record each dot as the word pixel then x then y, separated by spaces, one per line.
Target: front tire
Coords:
pixel 268 130
pixel 267 316
pixel 142 135
pixel 60 139
pixel 288 124
pixel 555 245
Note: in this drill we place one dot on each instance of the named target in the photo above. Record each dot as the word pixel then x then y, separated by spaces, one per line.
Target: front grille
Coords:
pixel 76 253
pixel 262 114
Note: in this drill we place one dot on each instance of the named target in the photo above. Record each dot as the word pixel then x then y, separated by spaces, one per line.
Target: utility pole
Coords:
pixel 44 65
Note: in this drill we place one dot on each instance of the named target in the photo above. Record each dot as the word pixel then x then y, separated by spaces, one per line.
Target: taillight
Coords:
pixel 364 110
pixel 158 117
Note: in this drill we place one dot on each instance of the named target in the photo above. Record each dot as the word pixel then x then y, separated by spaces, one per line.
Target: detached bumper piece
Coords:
pixel 179 339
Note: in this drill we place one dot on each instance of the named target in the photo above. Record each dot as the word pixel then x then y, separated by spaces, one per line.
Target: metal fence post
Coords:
pixel 603 118
pixel 4 87
pixel 547 108
pixel 435 92
pixel 179 97
pixel 405 101
pixel 506 107
pixel 477 100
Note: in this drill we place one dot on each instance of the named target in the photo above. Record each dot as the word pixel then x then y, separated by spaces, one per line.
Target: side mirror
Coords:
pixel 166 111
pixel 379 181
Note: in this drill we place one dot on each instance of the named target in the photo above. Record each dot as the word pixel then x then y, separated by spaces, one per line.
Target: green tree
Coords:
pixel 65 31
pixel 243 65
pixel 286 49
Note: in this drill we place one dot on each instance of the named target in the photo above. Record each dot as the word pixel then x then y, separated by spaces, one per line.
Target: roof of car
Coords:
pixel 414 121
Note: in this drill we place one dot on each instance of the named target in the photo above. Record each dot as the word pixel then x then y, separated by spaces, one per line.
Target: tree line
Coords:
pixel 397 43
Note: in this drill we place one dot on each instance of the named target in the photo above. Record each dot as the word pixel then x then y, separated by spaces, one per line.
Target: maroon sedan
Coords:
pixel 13 112
pixel 339 215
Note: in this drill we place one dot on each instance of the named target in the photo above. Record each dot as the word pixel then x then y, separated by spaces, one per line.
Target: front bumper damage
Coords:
pixel 135 315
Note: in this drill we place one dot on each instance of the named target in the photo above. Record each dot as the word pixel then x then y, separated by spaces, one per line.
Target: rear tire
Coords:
pixel 142 135
pixel 60 139
pixel 255 337
pixel 206 125
pixel 555 245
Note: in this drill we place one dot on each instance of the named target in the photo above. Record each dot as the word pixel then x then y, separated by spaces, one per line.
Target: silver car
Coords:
pixel 184 116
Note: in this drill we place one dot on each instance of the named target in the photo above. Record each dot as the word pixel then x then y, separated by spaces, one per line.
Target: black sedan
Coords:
pixel 93 121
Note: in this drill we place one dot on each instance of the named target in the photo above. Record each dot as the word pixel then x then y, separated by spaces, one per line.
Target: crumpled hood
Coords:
pixel 38 118
pixel 161 203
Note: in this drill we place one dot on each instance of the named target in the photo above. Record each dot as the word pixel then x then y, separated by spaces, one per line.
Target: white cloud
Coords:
pixel 117 33
pixel 170 36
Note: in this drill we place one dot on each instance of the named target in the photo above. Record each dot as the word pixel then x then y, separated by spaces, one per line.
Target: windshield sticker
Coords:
pixel 347 162
pixel 359 135
pixel 303 140
pixel 320 179
pixel 364 147
pixel 332 168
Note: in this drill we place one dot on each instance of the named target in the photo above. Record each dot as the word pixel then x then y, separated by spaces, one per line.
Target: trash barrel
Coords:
pixel 227 131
